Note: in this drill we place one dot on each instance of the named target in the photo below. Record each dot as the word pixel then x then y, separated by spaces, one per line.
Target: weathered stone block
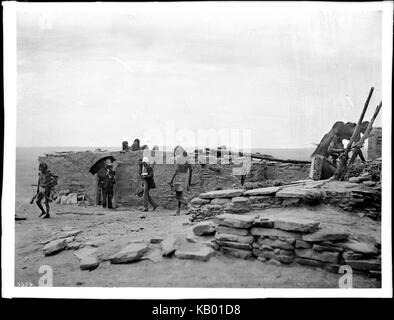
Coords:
pixel 235 220
pixel 199 201
pixel 267 200
pixel 235 208
pixel 220 201
pixel 263 223
pixel 204 228
pixel 130 253
pixel 327 234
pixel 366 248
pixel 169 245
pixel 203 253
pixel 275 233
pixel 300 244
pixel 238 253
pixel 237 245
pixel 320 248
pixel 230 193
pixel 364 264
pixel 234 238
pixel 324 256
pixel 275 243
pixel 262 191
pixel 54 246
pixel 296 225
pixel 89 263
pixel 235 231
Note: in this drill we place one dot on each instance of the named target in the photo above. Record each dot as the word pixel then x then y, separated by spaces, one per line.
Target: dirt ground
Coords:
pixel 125 224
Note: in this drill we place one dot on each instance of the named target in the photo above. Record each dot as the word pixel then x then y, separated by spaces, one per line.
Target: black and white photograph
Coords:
pixel 197 150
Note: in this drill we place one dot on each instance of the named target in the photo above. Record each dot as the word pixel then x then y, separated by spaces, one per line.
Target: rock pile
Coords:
pixel 295 240
pixel 233 235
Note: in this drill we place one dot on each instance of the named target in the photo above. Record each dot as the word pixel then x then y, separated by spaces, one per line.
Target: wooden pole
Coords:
pixel 262 157
pixel 343 158
pixel 360 143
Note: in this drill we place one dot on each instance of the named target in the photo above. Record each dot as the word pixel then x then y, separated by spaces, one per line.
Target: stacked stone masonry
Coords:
pixel 349 196
pixel 291 240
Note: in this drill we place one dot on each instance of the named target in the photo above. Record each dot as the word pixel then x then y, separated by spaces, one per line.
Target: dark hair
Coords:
pixel 43 166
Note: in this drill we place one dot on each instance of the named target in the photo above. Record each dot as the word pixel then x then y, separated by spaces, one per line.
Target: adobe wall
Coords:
pixel 74 177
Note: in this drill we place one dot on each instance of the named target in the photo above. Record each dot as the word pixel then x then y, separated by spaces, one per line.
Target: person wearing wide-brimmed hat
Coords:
pixel 148 182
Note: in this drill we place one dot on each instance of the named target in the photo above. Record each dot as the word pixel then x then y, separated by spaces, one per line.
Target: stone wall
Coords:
pixel 74 177
pixel 293 240
pixel 73 171
pixel 364 199
pixel 375 144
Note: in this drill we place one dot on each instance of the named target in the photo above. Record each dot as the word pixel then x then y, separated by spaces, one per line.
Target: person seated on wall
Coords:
pixel 136 146
pixel 125 146
pixel 181 181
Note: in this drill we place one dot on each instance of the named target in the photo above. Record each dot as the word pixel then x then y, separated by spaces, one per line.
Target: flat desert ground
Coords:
pixel 118 227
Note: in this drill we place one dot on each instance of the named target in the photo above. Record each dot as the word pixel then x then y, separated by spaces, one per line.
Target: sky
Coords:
pixel 170 74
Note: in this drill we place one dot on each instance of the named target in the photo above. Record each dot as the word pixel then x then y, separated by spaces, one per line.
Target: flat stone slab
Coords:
pixel 220 201
pixel 204 228
pixel 263 222
pixel 199 201
pixel 296 224
pixel 85 252
pixel 236 245
pixel 364 264
pixel 234 220
pixel 235 231
pixel 169 245
pixel 234 238
pixel 262 191
pixel 130 253
pixel 358 246
pixel 332 233
pixel 54 246
pixel 202 253
pixel 240 200
pixel 300 193
pixel 230 193
pixel 89 263
pixel 155 255
pixel 300 244
pixel 237 253
pixel 275 243
pixel 325 256
pixel 275 233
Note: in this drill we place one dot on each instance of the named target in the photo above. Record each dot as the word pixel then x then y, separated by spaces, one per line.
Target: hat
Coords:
pixel 146 160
